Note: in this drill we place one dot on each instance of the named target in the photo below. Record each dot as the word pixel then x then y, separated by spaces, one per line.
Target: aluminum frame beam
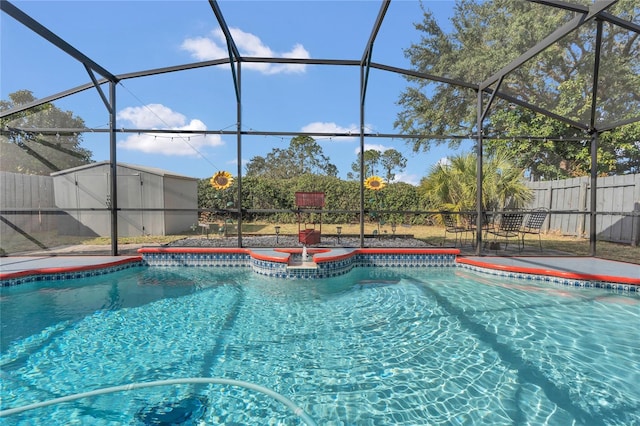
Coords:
pixel 628 25
pixel 7 7
pixel 593 208
pixel 619 124
pixel 539 110
pixel 235 61
pixel 53 131
pixel 374 32
pixel 113 168
pixel 52 38
pixel 222 61
pixel 368 51
pixel 485 111
pixel 234 53
pixel 567 28
pixel 365 66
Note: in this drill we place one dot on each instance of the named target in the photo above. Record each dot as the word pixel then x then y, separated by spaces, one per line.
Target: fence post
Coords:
pixel 582 202
pixel 635 219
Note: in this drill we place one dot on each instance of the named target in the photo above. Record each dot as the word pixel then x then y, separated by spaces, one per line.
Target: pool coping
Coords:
pixel 290 263
pixel 276 262
pixel 50 268
pixel 552 267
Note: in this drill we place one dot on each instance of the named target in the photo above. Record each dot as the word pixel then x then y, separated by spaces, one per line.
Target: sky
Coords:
pixel 130 36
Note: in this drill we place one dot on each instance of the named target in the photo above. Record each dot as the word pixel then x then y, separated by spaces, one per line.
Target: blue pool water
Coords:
pixel 374 347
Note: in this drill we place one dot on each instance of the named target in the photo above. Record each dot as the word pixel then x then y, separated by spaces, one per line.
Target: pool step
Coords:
pixel 296 262
pixel 302 265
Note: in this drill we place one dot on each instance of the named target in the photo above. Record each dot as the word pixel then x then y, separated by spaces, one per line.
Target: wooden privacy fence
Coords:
pixel 30 196
pixel 617 203
pixel 569 200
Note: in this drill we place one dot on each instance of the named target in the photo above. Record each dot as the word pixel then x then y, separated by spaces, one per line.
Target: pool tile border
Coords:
pixel 278 263
pixel 68 273
pixel 326 263
pixel 621 284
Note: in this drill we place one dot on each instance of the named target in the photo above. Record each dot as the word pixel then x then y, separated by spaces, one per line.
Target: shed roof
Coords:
pixel 144 169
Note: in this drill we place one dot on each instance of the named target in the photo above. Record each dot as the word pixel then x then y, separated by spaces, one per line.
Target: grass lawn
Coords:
pixel 432 234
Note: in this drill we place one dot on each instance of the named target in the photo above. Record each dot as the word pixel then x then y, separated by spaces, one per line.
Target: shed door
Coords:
pixel 130 217
pixel 92 192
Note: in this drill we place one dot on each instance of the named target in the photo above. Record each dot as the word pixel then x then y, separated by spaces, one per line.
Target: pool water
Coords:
pixel 374 347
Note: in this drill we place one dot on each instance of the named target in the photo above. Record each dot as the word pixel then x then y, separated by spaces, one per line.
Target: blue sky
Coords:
pixel 128 36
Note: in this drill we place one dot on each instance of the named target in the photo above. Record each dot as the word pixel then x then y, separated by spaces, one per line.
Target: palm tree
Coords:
pixel 452 184
pixel 503 183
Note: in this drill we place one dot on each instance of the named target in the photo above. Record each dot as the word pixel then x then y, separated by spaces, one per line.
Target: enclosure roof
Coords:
pixel 323 33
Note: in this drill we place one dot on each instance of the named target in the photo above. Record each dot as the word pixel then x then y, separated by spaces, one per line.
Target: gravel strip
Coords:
pixel 292 241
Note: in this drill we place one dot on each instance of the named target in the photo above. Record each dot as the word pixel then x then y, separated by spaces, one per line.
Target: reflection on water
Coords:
pixel 377 346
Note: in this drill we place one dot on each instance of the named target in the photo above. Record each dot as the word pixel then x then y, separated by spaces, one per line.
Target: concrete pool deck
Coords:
pixel 580 268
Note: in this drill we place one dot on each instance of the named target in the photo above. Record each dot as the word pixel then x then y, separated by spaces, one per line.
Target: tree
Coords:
pixel 303 156
pixel 487 36
pixel 35 153
pixel 392 160
pixel 452 185
pixel 371 161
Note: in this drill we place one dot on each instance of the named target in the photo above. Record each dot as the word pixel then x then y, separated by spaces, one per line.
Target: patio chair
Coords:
pixel 509 227
pixel 451 226
pixel 533 225
pixel 472 225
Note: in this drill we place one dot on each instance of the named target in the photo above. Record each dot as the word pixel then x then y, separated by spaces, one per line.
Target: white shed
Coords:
pixel 139 188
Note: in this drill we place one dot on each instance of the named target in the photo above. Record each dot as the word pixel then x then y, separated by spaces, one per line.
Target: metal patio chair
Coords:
pixel 509 227
pixel 533 225
pixel 472 227
pixel 452 226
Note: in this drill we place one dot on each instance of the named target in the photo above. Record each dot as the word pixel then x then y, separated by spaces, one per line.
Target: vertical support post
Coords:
pixel 365 66
pixel 479 221
pixel 583 196
pixel 239 152
pixel 549 206
pixel 635 219
pixel 594 189
pixel 362 92
pixel 481 114
pixel 113 165
pixel 594 139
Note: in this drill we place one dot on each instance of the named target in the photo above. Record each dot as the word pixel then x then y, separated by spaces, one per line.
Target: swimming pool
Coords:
pixel 376 346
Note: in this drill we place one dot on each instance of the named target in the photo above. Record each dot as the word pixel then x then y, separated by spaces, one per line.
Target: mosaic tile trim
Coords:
pixel 340 267
pixel 270 269
pixel 626 288
pixel 324 269
pixel 70 275
pixel 334 269
pixel 234 260
pixel 406 260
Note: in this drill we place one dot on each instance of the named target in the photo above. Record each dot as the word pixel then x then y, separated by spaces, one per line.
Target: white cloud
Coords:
pixel 151 116
pixel 203 48
pixel 322 127
pixel 157 116
pixel 407 178
pixel 368 146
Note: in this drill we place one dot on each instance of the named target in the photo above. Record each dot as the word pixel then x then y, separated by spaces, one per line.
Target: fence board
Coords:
pixel 29 192
pixel 617 205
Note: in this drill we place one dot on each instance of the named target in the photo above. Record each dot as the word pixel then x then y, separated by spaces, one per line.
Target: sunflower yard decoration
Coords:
pixel 374 183
pixel 221 180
